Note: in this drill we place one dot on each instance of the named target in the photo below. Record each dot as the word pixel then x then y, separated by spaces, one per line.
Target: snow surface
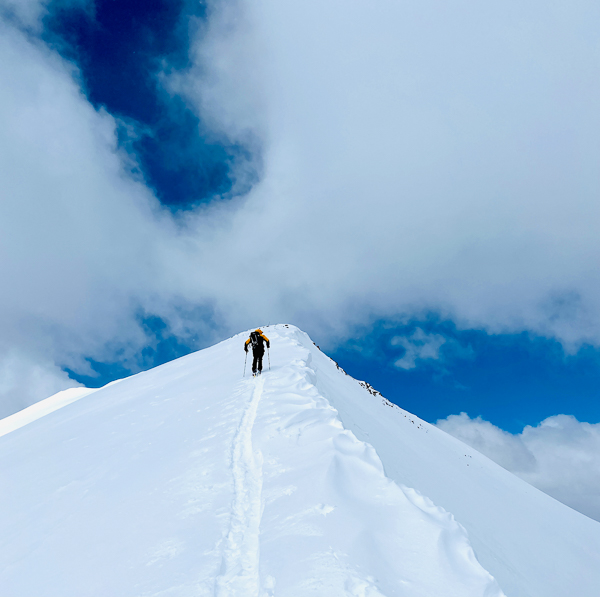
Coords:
pixel 191 480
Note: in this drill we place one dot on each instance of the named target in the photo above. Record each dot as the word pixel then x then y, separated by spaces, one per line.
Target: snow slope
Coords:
pixel 191 480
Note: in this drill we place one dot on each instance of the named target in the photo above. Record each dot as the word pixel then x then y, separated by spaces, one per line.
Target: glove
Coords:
pixel 245 348
pixel 268 345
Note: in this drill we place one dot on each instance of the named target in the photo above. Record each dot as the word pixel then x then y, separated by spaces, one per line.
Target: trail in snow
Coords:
pixel 240 566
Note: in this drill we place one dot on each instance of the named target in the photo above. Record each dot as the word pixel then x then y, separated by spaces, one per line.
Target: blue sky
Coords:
pixel 511 380
pixel 413 184
pixel 120 47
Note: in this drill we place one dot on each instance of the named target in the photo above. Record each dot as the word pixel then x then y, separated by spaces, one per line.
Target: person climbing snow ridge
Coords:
pixel 258 340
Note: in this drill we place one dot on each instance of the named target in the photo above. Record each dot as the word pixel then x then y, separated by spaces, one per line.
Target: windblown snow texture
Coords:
pixel 192 480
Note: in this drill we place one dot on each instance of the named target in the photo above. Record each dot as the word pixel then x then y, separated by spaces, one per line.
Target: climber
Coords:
pixel 257 339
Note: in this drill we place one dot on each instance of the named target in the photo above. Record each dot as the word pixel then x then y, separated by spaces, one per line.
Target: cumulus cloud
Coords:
pixel 415 156
pixel 29 13
pixel 418 346
pixel 79 239
pixel 85 248
pixel 560 456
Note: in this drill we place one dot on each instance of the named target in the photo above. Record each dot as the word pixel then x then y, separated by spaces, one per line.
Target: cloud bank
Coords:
pixel 416 156
pixel 559 456
pixel 81 241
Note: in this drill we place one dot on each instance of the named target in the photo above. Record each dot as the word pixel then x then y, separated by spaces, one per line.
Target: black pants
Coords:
pixel 257 361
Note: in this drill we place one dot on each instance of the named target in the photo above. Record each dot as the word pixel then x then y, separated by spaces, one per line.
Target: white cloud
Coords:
pixel 416 157
pixel 561 456
pixel 29 13
pixel 81 244
pixel 24 381
pixel 418 346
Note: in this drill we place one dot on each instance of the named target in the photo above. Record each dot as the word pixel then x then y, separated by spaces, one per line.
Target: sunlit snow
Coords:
pixel 190 479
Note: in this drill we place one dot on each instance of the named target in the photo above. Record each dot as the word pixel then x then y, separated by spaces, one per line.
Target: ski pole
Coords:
pixel 245 363
pixel 269 354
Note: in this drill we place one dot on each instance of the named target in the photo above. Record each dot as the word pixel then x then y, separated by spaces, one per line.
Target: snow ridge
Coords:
pixel 189 480
pixel 333 523
pixel 239 570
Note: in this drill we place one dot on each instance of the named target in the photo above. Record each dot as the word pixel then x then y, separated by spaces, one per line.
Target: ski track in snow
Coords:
pixel 239 569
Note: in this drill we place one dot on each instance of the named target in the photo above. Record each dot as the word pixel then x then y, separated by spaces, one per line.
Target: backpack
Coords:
pixel 255 339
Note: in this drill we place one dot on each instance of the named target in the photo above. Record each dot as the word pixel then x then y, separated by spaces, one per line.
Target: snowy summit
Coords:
pixel 191 479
